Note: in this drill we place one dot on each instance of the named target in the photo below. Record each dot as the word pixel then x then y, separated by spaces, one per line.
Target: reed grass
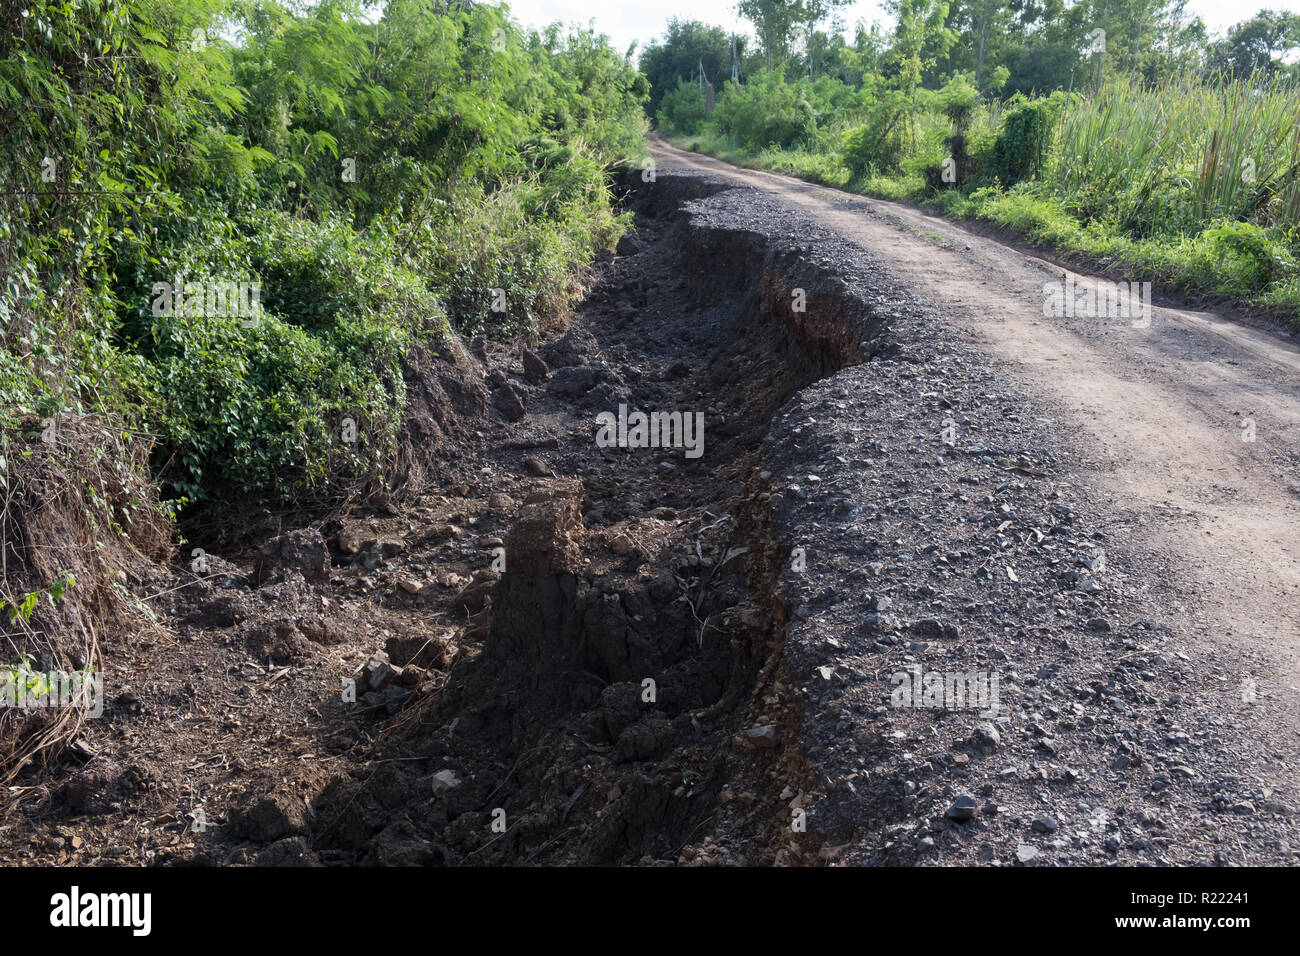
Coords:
pixel 1173 159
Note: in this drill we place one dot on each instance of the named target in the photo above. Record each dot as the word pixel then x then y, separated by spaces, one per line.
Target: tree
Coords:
pixel 814 12
pixel 920 38
pixel 988 32
pixel 1256 45
pixel 774 21
pixel 685 45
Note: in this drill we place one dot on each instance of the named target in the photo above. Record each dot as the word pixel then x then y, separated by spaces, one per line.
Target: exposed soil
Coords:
pixel 567 653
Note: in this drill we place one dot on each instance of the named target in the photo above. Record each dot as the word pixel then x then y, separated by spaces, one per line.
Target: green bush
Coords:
pixel 1021 146
pixel 254 408
pixel 764 112
pixel 683 109
pixel 879 146
pixel 1244 252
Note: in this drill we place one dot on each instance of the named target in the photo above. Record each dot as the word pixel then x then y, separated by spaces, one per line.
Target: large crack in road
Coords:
pixel 573 653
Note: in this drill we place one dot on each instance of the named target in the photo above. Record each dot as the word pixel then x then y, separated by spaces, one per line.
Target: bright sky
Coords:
pixel 628 20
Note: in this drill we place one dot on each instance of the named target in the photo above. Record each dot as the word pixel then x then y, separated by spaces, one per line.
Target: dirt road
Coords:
pixel 1191 425
pixel 552 650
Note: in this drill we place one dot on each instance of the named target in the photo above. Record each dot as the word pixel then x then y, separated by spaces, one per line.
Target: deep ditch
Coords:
pixel 621 706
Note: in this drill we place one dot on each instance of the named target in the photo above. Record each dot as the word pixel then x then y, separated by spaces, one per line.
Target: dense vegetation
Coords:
pixel 1117 130
pixel 227 225
pixel 368 177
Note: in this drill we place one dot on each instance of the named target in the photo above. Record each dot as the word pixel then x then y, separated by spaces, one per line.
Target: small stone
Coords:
pixel 445 780
pixel 351 540
pixel 962 809
pixel 378 673
pixel 766 736
pixel 390 547
pixel 507 401
pixel 1045 825
pixel 535 466
pixel 536 370
pixel 1026 854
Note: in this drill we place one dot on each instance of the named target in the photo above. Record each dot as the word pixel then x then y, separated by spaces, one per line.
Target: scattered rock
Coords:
pixel 445 780
pixel 962 809
pixel 535 466
pixel 986 736
pixel 509 403
pixel 352 540
pixel 765 737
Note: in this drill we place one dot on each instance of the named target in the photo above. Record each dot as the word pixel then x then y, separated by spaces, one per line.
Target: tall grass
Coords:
pixel 1175 158
pixel 1190 184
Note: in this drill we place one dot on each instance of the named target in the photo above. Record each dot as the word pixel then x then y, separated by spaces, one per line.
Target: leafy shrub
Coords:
pixel 959 100
pixel 683 109
pixel 1026 136
pixel 1244 251
pixel 766 111
pixel 254 407
pixel 526 239
pixel 879 146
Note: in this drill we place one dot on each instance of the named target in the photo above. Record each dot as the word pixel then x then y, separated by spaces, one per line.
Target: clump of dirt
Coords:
pixel 446 397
